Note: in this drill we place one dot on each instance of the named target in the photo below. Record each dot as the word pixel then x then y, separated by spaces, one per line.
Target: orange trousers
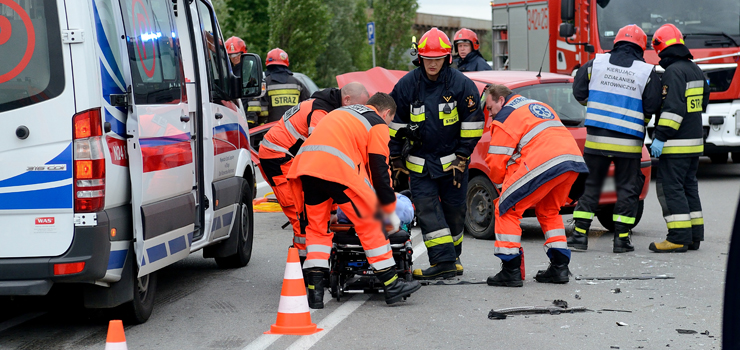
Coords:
pixel 319 196
pixel 547 201
pixel 274 171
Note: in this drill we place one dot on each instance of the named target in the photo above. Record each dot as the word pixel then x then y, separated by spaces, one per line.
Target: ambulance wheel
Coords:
pixel 139 309
pixel 607 220
pixel 479 218
pixel 736 157
pixel 244 230
pixel 719 158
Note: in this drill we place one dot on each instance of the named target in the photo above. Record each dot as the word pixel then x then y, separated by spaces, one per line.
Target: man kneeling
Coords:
pixel 345 162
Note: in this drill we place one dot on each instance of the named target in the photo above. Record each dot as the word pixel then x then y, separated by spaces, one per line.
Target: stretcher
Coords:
pixel 350 271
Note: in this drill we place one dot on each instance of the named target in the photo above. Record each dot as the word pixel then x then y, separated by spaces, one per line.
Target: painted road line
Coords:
pixel 331 321
pixel 265 340
pixel 19 320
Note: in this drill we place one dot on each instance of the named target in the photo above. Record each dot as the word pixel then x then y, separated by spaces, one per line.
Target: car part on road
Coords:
pixel 557 307
pixel 445 283
pixel 646 277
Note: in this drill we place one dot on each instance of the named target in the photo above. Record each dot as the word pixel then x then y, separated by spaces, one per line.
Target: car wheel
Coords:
pixel 605 215
pixel 479 218
pixel 244 230
pixel 139 309
pixel 719 158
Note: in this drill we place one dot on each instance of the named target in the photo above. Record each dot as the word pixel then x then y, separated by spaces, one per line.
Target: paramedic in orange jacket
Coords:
pixel 534 161
pixel 282 142
pixel 345 162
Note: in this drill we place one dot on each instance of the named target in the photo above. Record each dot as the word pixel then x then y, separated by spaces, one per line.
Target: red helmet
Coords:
pixel 466 34
pixel 665 36
pixel 277 56
pixel 235 45
pixel 634 34
pixel 435 44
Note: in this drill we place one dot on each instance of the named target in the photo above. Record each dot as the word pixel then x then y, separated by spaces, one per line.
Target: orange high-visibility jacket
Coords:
pixel 529 147
pixel 349 147
pixel 297 123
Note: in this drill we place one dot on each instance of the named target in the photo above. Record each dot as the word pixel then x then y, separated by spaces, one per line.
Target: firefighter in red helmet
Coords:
pixel 236 47
pixel 469 58
pixel 678 142
pixel 437 125
pixel 283 89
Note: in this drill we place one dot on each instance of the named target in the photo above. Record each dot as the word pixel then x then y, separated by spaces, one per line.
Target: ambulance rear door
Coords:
pixel 159 134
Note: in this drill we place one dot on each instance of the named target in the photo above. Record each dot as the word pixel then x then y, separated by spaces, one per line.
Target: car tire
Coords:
pixel 244 230
pixel 607 220
pixel 479 218
pixel 719 158
pixel 138 310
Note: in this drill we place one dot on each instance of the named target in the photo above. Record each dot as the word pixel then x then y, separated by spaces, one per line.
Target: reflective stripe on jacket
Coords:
pixel 529 147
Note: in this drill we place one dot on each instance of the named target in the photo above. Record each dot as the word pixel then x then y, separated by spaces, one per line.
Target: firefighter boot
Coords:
pixel 578 239
pixel 441 270
pixel 459 266
pixel 395 288
pixel 668 247
pixel 558 271
pixel 315 289
pixel 622 243
pixel 510 275
pixel 695 245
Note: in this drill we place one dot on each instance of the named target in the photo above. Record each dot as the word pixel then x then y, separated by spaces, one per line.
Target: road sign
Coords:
pixel 371 33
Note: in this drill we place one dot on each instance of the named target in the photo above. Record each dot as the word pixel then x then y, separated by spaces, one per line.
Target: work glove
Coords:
pixel 392 222
pixel 656 148
pixel 458 170
pixel 398 166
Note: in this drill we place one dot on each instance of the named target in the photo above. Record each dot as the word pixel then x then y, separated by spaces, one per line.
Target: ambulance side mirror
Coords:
pixel 568 10
pixel 251 75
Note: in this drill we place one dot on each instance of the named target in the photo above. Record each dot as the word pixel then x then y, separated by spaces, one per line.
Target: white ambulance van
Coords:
pixel 123 146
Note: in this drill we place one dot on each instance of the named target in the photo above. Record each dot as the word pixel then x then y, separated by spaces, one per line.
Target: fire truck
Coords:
pixel 561 35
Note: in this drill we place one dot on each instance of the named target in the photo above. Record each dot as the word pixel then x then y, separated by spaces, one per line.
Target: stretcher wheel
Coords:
pixel 333 286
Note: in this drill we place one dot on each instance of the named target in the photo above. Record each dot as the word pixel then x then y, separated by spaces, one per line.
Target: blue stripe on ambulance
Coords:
pixel 59 197
pixel 160 251
pixel 39 177
pixel 117 259
pixel 104 45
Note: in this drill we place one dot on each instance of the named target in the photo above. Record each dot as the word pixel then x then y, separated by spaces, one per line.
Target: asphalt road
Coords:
pixel 199 306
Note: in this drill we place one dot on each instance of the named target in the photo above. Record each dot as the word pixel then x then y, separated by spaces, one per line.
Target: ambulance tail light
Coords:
pixel 89 162
pixel 68 268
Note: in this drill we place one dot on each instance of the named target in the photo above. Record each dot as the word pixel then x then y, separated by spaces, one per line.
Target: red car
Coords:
pixel 552 89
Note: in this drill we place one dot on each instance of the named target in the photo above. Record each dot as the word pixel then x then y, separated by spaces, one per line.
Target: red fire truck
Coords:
pixel 561 35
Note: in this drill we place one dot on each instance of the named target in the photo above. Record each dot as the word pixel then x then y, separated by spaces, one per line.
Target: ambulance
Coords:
pixel 123 144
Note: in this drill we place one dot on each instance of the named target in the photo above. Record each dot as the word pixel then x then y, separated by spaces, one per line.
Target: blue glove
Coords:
pixel 656 148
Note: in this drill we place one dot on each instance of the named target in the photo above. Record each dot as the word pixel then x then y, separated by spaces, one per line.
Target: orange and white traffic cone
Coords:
pixel 293 316
pixel 116 339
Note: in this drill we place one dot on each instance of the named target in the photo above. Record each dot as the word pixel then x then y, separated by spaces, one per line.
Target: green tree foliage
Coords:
pixel 347 49
pixel 300 28
pixel 486 45
pixel 393 22
pixel 247 19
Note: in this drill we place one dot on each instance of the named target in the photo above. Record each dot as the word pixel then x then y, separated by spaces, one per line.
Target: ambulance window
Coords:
pixel 31 66
pixel 218 66
pixel 560 97
pixel 153 50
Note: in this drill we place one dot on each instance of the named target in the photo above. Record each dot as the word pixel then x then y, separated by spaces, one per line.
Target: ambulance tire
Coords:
pixel 479 218
pixel 243 230
pixel 138 310
pixel 736 157
pixel 606 219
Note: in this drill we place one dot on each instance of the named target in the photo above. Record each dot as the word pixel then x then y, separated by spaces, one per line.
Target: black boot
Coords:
pixel 578 240
pixel 510 275
pixel 622 243
pixel 315 289
pixel 441 270
pixel 557 272
pixel 395 288
pixel 694 245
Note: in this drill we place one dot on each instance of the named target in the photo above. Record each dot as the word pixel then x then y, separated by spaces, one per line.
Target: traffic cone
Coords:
pixel 116 339
pixel 293 316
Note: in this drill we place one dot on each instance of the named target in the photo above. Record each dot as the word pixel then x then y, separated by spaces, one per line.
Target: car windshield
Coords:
pixel 31 68
pixel 560 97
pixel 704 22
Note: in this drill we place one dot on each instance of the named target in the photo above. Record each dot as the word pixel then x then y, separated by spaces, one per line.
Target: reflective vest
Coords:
pixel 615 96
pixel 529 147
pixel 289 133
pixel 338 151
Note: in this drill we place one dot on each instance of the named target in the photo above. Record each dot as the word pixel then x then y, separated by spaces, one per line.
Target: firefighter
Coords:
pixel 534 160
pixel 435 130
pixel 283 90
pixel 678 142
pixel 282 142
pixel 621 93
pixel 469 58
pixel 345 162
pixel 235 47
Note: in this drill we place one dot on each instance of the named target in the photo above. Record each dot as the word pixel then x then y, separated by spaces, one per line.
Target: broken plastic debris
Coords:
pixel 685 331
pixel 616 290
pixel 622 324
pixel 646 277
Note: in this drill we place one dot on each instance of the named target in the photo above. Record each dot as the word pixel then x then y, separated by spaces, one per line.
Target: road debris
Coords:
pixel 622 324
pixel 685 331
pixel 557 307
pixel 578 297
pixel 615 310
pixel 443 283
pixel 616 291
pixel 646 277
